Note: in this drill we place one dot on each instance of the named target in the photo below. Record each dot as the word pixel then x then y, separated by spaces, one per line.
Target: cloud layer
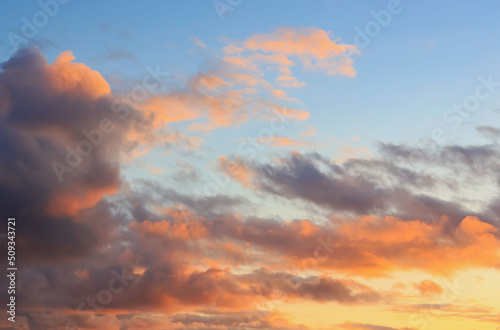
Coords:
pixel 172 258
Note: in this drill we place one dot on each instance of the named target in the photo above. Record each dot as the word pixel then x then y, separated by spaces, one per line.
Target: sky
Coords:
pixel 237 164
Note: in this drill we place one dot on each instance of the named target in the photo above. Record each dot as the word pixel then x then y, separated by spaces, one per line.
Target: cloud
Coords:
pixel 309 132
pixel 198 42
pixel 367 246
pixel 67 103
pixel 119 53
pixel 321 289
pixel 477 158
pixel 299 177
pixel 289 82
pixel 236 169
pixel 64 99
pixel 391 185
pixel 202 267
pixel 211 101
pixel 233 89
pixel 311 46
pixel 194 321
pixel 348 151
pixel 489 132
pixel 428 287
pixel 285 142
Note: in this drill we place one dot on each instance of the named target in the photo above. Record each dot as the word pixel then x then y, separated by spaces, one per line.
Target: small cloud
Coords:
pixel 282 95
pixel 125 33
pixel 41 43
pixel 198 42
pixel 119 53
pixel 285 142
pixel 105 27
pixel 310 131
pixel 289 82
pixel 428 287
pixel 155 170
pixel 429 43
pixel 348 150
pixel 315 49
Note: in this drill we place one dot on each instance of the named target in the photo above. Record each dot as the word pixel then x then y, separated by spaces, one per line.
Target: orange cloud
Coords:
pixel 312 46
pixel 347 151
pixel 237 170
pixel 72 202
pixel 175 229
pixel 389 230
pixel 209 97
pixel 310 131
pixel 305 228
pixel 210 82
pixel 289 82
pixel 249 80
pixel 64 75
pixel 280 94
pixel 288 112
pixel 419 245
pixel 284 142
pixel 182 224
pixel 170 109
pixel 428 287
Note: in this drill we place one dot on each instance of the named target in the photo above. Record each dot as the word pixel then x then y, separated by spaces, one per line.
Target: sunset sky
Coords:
pixel 251 164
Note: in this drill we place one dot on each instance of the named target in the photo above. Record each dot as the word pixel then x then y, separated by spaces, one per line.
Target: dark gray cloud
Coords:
pixel 301 177
pixel 490 132
pixel 358 187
